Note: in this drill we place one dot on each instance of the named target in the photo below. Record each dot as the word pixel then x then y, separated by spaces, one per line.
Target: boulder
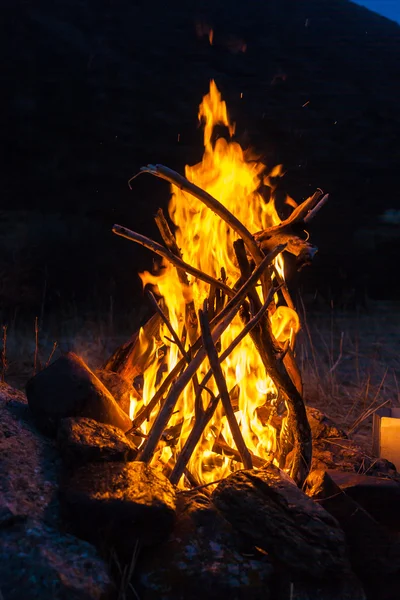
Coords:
pixel 377 495
pixel 203 558
pixel 118 504
pixel 347 588
pixel 40 563
pixel 37 560
pixel 268 508
pixel 28 462
pixel 81 440
pixel 68 388
pixel 374 552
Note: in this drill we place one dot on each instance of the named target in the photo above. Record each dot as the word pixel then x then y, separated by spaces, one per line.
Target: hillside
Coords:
pixel 93 89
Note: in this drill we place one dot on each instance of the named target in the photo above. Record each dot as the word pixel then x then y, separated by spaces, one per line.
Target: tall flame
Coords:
pixel 206 242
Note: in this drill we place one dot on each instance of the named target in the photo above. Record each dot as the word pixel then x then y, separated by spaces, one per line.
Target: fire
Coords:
pixel 206 242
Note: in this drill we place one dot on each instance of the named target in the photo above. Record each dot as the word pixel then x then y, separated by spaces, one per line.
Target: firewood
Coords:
pixel 221 447
pixel 183 184
pixel 269 353
pixel 129 360
pixel 161 251
pixel 167 322
pixel 202 422
pixel 170 241
pixel 223 319
pixel 223 390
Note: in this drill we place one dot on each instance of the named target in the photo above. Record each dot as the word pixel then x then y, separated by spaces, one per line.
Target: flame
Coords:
pixel 207 243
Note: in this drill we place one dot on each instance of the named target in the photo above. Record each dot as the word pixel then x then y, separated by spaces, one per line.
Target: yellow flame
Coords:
pixel 206 242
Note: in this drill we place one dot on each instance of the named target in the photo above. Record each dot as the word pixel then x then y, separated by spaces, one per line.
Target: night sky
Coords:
pixel 387 8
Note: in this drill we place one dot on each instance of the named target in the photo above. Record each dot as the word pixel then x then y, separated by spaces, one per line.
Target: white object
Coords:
pixel 386 435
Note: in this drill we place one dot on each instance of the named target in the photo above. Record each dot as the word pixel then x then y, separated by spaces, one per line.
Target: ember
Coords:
pixel 217 360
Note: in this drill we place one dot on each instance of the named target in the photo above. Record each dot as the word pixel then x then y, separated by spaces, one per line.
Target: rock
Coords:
pixel 348 588
pixel 202 558
pixel 28 462
pixel 82 440
pixel 322 426
pixel 121 389
pixel 374 553
pixel 268 508
pixel 346 455
pixel 380 497
pixel 67 388
pixel 118 504
pixel 40 563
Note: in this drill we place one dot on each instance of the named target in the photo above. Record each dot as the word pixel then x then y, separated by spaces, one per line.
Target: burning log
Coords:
pixel 224 319
pixel 223 390
pixel 252 356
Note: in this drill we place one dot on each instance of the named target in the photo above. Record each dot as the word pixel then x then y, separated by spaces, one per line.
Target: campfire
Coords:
pixel 185 461
pixel 217 387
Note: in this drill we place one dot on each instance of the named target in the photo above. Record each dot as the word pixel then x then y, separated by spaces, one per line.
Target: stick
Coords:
pixel 161 251
pixel 201 424
pixel 223 390
pixel 223 319
pixel 299 214
pixel 316 209
pixel 221 447
pixel 167 409
pixel 167 322
pixel 130 360
pixel 219 209
pixel 297 417
pixel 170 241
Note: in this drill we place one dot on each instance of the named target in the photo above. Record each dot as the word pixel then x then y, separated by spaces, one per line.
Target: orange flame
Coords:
pixel 207 243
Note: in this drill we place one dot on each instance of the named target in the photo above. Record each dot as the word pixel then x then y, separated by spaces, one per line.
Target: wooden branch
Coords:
pixel 316 209
pixel 298 216
pixel 167 322
pixel 161 251
pixel 130 360
pixel 221 447
pixel 222 320
pixel 170 241
pixel 282 283
pixel 177 388
pixel 223 390
pixel 219 209
pixel 201 423
pixel 269 353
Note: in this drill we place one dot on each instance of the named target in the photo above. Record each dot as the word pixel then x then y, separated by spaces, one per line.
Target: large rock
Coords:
pixel 373 551
pixel 119 504
pixel 379 496
pixel 82 440
pixel 28 461
pixel 40 563
pixel 347 588
pixel 268 508
pixel 68 388
pixel 203 558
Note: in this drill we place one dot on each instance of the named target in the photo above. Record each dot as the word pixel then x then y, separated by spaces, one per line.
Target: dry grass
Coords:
pixel 350 362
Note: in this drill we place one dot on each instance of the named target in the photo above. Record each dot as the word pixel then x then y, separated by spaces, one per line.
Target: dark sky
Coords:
pixel 388 8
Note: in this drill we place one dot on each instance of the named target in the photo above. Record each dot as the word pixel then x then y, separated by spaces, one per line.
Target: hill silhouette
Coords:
pixel 93 89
